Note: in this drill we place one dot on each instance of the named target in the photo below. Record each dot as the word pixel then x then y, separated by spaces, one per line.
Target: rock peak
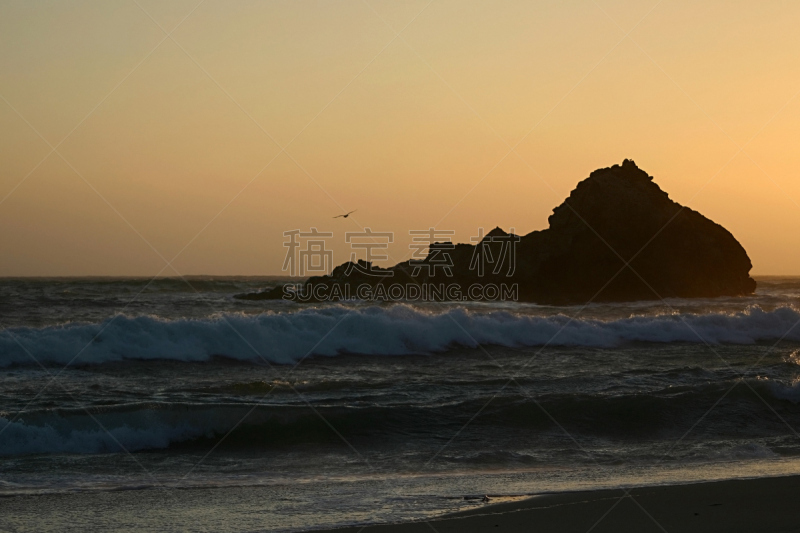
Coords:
pixel 497 232
pixel 627 170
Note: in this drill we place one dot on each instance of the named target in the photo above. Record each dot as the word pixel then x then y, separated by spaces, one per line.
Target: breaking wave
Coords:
pixel 664 413
pixel 287 337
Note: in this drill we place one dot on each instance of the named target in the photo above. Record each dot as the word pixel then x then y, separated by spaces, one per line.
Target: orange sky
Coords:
pixel 169 148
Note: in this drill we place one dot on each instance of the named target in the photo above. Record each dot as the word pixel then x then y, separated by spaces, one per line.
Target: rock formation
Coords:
pixel 618 237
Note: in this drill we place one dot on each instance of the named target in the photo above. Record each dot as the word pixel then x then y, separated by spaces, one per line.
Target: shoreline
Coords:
pixel 767 504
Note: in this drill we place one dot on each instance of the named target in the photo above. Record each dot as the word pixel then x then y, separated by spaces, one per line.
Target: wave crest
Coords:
pixel 639 416
pixel 396 330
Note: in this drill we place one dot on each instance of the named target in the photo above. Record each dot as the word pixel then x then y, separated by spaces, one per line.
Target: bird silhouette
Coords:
pixel 346 214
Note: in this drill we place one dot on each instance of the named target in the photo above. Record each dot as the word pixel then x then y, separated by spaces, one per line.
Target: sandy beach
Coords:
pixel 753 505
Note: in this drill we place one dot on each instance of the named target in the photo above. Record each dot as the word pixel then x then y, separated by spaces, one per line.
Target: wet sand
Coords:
pixel 755 505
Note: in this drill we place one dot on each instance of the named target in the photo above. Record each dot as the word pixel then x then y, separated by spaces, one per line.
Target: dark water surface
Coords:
pixel 177 407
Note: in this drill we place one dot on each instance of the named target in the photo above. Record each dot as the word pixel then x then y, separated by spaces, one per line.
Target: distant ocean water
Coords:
pixel 284 416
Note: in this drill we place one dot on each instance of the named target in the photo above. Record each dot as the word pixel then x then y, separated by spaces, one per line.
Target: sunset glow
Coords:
pixel 457 115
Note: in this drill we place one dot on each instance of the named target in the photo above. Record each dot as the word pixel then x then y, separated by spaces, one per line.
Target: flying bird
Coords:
pixel 346 214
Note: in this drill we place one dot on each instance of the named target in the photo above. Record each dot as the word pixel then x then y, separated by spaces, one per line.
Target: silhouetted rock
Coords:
pixel 618 237
pixel 619 215
pixel 272 293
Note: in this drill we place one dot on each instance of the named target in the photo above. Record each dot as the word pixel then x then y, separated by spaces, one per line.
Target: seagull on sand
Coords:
pixel 346 214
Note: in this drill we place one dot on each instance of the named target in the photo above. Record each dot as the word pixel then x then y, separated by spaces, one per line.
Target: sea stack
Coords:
pixel 619 216
pixel 617 237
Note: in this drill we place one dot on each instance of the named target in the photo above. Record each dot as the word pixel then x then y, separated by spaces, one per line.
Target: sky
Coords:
pixel 155 137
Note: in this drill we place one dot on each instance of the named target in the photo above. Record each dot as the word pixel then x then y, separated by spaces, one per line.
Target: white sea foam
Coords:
pixel 401 329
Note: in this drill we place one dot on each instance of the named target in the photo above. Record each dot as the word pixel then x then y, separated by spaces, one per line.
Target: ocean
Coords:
pixel 171 405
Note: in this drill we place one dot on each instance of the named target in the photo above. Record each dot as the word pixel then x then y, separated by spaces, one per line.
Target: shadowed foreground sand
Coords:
pixel 767 504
